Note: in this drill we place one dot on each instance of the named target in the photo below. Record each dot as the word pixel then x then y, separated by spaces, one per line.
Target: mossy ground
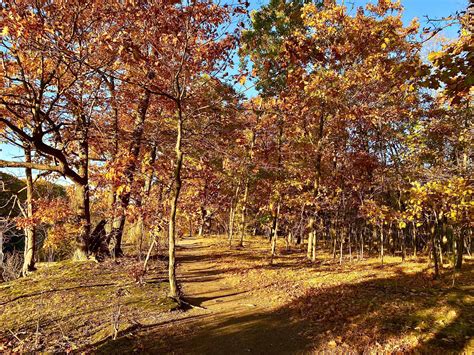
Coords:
pixel 67 305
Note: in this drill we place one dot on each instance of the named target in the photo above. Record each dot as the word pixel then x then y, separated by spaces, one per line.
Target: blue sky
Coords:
pixel 413 8
pixel 422 8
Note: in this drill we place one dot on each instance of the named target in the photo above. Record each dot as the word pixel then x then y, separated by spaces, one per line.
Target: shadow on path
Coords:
pixel 370 315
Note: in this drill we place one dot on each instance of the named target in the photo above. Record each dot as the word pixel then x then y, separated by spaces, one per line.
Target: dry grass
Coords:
pixel 65 306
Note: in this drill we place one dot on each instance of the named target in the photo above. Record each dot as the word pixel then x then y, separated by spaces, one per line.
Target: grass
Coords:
pixel 67 305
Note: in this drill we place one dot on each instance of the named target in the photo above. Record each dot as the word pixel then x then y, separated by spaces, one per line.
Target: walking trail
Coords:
pixel 226 318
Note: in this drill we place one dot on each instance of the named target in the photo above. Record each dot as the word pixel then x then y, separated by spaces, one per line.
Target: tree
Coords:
pixel 50 94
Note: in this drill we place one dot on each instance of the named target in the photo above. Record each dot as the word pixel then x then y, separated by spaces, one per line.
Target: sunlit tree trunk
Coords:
pixel 332 231
pixel 414 239
pixel 433 233
pixel 381 243
pixel 309 252
pixel 202 221
pixel 110 82
pixel 440 249
pixel 230 231
pixel 84 220
pixel 401 235
pixel 275 232
pixel 139 227
pixel 2 255
pixel 341 245
pixel 30 233
pixel 232 214
pixel 243 226
pixel 83 194
pixel 246 189
pixel 313 247
pixel 349 232
pixel 174 205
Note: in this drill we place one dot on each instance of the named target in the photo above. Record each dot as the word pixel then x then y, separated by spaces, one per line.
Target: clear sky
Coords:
pixel 422 8
pixel 413 8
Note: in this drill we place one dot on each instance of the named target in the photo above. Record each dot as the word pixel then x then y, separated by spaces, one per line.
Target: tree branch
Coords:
pixel 36 166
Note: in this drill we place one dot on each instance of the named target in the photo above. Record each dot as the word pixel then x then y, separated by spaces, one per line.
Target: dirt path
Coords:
pixel 234 320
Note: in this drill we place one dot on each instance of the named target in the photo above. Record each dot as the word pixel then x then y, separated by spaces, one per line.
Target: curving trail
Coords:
pixel 244 305
pixel 229 320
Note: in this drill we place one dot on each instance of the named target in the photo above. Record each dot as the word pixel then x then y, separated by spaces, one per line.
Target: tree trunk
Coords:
pixel 459 249
pixel 190 226
pixel 30 233
pixel 244 208
pixel 209 229
pixel 249 159
pixel 310 227
pixel 440 251
pixel 116 234
pixel 381 243
pixel 275 233
pixel 174 205
pixel 350 245
pixel 373 239
pixel 414 239
pixel 1 250
pixel 404 252
pixel 300 226
pixel 82 195
pixel 230 231
pixel 319 154
pixel 112 196
pixel 434 250
pixel 341 250
pixel 83 218
pixel 139 124
pixel 232 214
pixel 139 228
pixel 202 221
pixel 310 245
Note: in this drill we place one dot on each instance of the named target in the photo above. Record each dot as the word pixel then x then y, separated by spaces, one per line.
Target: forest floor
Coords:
pixel 295 306
pixel 65 306
pixel 242 304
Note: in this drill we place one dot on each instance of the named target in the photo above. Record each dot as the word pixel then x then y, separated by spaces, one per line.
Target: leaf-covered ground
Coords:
pixel 241 304
pixel 296 306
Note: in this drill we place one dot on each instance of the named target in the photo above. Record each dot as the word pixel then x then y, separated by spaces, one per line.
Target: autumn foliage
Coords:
pixel 352 140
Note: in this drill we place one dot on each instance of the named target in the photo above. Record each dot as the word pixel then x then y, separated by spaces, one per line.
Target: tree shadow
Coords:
pixel 403 313
pixel 407 312
pixel 231 334
pixel 215 257
pixel 217 297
